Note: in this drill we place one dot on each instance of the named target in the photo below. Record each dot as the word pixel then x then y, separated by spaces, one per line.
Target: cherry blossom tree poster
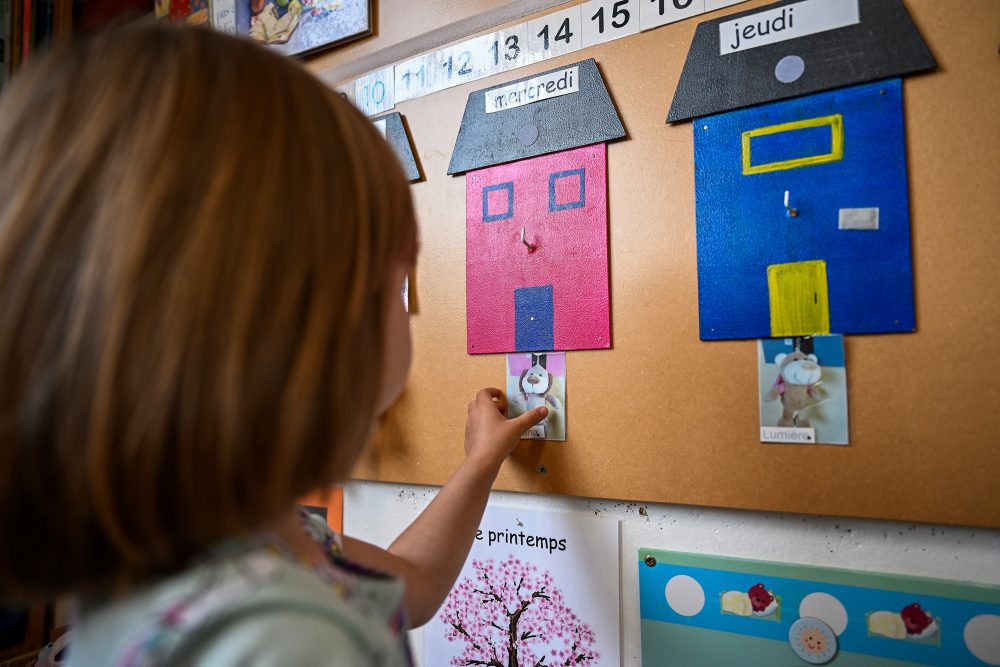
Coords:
pixel 540 589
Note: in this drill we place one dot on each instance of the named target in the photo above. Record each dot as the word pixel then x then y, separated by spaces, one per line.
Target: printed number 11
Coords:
pixel 562 34
pixel 619 16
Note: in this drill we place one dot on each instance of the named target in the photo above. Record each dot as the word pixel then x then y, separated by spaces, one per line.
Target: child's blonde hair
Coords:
pixel 196 239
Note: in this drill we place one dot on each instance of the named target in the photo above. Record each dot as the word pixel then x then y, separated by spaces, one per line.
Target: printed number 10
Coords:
pixel 678 4
pixel 562 34
pixel 375 93
pixel 619 16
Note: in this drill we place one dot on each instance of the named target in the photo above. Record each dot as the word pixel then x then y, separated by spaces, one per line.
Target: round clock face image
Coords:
pixel 813 641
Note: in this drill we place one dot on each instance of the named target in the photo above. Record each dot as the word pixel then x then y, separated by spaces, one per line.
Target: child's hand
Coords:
pixel 489 436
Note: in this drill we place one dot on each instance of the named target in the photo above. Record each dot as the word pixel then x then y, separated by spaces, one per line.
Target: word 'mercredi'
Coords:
pixel 554 84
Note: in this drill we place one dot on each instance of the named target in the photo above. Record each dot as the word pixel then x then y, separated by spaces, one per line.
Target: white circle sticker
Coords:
pixel 685 595
pixel 826 608
pixel 982 636
pixel 789 69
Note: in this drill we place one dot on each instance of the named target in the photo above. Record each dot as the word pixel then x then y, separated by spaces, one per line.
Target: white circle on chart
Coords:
pixel 685 595
pixel 789 69
pixel 982 637
pixel 826 608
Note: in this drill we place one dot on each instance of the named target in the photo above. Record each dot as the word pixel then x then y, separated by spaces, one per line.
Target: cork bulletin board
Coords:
pixel 663 416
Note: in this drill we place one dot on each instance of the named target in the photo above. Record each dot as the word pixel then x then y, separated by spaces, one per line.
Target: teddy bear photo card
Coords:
pixel 534 380
pixel 803 390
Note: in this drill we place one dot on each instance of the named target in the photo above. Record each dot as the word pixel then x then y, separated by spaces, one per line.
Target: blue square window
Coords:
pixel 509 213
pixel 580 174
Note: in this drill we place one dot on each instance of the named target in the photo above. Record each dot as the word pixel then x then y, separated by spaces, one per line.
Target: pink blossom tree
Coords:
pixel 508 615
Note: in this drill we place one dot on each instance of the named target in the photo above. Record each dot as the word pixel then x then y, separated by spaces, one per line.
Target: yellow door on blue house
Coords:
pixel 799 301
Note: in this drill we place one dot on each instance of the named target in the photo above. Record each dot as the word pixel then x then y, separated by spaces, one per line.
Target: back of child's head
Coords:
pixel 196 239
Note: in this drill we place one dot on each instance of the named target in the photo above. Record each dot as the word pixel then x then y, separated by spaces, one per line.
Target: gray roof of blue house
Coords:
pixel 885 43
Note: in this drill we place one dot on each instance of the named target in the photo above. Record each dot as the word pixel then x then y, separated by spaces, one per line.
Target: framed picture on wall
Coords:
pixel 298 27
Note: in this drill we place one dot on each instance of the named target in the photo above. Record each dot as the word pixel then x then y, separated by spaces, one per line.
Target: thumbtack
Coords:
pixel 531 246
pixel 651 561
pixel 792 212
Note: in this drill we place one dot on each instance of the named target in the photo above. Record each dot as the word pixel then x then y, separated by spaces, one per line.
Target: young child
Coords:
pixel 201 254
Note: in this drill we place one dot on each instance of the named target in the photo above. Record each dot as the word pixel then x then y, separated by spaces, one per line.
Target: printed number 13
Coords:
pixel 619 16
pixel 512 47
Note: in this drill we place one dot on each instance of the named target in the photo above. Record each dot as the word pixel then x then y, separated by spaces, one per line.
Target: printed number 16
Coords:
pixel 619 16
pixel 678 4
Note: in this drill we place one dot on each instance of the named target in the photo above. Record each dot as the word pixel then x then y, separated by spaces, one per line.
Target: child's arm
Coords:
pixel 430 553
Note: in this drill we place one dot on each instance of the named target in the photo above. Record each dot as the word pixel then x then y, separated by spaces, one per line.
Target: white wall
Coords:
pixel 378 512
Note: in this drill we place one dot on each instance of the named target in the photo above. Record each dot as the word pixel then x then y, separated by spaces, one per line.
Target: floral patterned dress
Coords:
pixel 253 601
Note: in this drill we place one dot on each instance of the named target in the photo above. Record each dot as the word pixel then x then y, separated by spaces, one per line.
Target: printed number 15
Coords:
pixel 619 16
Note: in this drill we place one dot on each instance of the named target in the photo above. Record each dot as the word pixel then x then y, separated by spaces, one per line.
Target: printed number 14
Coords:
pixel 562 34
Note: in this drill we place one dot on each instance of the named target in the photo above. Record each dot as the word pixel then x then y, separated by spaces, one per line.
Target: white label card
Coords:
pixel 556 34
pixel 555 84
pixel 374 92
pixel 466 61
pixel 224 16
pixel 788 22
pixel 380 126
pixel 411 77
pixel 788 434
pixel 605 20
pixel 654 13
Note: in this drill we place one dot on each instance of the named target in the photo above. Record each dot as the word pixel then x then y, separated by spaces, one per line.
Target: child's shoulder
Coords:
pixel 257 607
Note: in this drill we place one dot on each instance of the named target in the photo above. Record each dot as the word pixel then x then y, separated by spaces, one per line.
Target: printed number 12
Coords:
pixel 619 16
pixel 465 57
pixel 562 34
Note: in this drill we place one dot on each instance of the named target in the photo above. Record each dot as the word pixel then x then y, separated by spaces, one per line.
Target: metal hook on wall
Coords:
pixel 531 246
pixel 792 212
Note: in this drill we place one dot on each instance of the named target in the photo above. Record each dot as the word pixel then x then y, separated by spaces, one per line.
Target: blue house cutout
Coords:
pixel 802 208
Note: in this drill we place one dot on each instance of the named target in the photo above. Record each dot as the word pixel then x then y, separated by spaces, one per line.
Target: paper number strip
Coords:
pixel 555 34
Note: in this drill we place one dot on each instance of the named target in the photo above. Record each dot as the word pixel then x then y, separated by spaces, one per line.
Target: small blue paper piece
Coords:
pixel 533 318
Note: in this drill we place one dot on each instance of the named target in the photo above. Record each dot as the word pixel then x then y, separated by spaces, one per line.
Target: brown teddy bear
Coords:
pixel 798 375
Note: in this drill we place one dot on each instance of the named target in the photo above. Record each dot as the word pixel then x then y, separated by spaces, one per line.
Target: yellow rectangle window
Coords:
pixel 836 152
